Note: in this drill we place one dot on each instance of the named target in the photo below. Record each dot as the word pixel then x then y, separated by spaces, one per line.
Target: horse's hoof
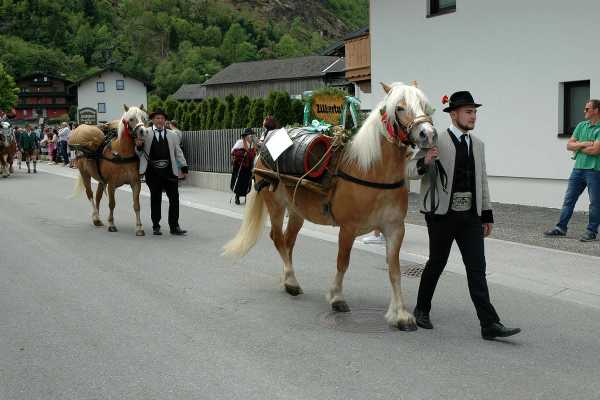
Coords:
pixel 140 233
pixel 98 223
pixel 407 326
pixel 293 290
pixel 340 306
pixel 112 229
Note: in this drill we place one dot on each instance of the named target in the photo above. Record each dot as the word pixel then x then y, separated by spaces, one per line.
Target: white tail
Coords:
pixel 78 189
pixel 251 229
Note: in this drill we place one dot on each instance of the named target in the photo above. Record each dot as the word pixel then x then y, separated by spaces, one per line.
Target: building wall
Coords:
pixel 512 55
pixel 134 94
pixel 262 89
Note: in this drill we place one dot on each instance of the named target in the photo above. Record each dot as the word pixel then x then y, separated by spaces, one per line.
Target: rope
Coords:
pixel 433 193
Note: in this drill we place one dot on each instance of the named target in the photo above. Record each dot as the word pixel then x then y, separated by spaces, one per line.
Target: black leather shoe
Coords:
pixel 496 330
pixel 156 231
pixel 423 319
pixel 178 231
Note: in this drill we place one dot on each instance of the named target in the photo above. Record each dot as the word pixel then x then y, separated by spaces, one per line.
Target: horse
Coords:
pixel 113 165
pixel 369 193
pixel 8 149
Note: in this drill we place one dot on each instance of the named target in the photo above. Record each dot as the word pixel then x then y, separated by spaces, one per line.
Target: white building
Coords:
pixel 532 64
pixel 107 91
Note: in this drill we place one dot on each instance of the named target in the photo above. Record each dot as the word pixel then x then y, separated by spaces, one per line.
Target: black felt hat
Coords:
pixel 460 99
pixel 247 131
pixel 158 111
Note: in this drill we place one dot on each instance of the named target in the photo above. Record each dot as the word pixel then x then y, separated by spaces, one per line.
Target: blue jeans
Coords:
pixel 64 151
pixel 579 179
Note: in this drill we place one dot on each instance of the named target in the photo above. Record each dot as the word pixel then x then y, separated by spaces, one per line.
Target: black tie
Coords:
pixel 160 135
pixel 463 141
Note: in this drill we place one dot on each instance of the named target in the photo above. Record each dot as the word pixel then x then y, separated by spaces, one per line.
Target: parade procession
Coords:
pixel 344 199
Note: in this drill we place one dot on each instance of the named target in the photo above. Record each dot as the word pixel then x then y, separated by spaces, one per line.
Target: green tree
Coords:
pixel 240 112
pixel 203 114
pixel 230 103
pixel 297 112
pixel 235 46
pixel 170 106
pixel 8 90
pixel 179 111
pixel 256 113
pixel 219 115
pixel 270 102
pixel 288 47
pixel 282 108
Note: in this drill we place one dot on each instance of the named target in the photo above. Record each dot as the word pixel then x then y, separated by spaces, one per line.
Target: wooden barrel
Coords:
pixel 306 154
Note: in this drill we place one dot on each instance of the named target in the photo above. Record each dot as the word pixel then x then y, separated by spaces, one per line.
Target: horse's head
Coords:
pixel 133 121
pixel 406 114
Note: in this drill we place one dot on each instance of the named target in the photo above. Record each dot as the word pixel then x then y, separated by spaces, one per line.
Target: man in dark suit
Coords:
pixel 463 213
pixel 159 152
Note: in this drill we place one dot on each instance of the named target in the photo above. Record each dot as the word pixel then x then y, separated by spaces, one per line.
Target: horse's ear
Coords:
pixel 415 84
pixel 125 107
pixel 386 88
pixel 142 107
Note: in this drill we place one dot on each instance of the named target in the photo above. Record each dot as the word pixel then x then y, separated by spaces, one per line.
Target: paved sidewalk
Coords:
pixel 525 261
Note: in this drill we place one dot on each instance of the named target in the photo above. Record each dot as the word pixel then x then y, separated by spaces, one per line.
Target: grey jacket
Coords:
pixel 447 157
pixel 174 150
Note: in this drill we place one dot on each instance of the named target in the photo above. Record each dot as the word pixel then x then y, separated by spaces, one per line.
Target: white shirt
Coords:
pixel 458 133
pixel 157 133
pixel 63 134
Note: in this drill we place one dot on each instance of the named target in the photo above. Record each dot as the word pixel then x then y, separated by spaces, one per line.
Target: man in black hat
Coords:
pixel 461 212
pixel 159 153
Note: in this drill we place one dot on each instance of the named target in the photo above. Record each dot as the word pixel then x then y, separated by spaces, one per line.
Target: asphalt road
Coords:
pixel 88 314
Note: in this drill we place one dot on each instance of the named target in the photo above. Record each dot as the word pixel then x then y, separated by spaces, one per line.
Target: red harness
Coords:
pixel 395 134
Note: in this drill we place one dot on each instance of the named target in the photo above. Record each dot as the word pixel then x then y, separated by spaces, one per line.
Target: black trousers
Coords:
pixel 467 230
pixel 157 183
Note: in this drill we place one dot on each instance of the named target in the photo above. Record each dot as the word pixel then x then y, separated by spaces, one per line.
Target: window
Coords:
pixel 99 86
pixel 101 107
pixel 575 96
pixel 120 84
pixel 440 7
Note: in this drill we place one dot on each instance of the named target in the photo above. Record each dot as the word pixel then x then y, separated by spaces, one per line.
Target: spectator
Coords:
pixel 585 142
pixel 63 137
pixel 242 158
pixel 50 141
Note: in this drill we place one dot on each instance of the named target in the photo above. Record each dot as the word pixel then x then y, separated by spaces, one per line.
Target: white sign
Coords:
pixel 279 141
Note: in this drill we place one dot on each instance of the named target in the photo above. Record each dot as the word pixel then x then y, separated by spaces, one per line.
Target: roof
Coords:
pixel 99 72
pixel 337 48
pixel 269 70
pixel 34 74
pixel 195 91
pixel 357 33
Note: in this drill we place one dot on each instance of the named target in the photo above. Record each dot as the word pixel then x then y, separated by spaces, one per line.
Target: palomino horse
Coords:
pixel 117 164
pixel 370 193
pixel 8 149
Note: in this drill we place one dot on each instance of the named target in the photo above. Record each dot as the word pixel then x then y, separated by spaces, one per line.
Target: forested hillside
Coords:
pixel 165 42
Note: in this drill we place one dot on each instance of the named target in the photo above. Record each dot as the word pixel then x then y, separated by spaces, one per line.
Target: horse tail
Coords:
pixel 251 229
pixel 78 188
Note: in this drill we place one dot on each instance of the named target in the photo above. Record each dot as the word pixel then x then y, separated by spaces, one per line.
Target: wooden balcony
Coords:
pixel 358 59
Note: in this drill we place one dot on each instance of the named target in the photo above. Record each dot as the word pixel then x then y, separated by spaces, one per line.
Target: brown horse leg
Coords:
pixel 86 179
pixel 111 207
pixel 136 188
pixel 397 314
pixel 99 193
pixel 294 225
pixel 276 213
pixel 335 295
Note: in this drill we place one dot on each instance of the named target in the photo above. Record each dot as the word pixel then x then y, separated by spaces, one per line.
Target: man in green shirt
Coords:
pixel 29 145
pixel 585 142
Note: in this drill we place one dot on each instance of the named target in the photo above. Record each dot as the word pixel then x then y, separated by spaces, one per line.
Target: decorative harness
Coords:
pixel 116 157
pixel 397 134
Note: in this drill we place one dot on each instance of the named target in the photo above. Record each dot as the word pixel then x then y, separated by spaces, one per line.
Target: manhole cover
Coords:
pixel 359 320
pixel 409 270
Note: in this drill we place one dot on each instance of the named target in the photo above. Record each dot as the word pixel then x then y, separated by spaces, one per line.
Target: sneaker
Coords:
pixel 556 231
pixel 372 239
pixel 588 236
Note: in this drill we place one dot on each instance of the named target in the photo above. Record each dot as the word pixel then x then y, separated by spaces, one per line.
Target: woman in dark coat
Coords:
pixel 242 158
